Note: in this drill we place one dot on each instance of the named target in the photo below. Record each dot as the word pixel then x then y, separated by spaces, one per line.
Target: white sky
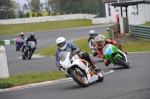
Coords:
pixel 24 1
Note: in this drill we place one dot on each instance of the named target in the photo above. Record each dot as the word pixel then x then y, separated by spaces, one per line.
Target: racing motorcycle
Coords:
pixel 19 43
pixel 28 50
pixel 79 69
pixel 114 55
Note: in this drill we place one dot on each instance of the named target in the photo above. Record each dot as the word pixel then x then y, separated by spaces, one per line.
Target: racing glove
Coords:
pixel 78 50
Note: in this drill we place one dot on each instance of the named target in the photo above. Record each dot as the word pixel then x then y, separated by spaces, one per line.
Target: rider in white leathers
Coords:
pixel 91 41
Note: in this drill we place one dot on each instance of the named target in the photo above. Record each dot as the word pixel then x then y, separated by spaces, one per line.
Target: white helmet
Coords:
pixel 22 33
pixel 91 32
pixel 60 40
pixel 100 38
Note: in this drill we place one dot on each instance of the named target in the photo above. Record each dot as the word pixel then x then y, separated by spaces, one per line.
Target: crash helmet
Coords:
pixel 61 43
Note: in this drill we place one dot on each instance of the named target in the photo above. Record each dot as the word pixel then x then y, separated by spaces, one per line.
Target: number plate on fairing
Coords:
pixel 107 49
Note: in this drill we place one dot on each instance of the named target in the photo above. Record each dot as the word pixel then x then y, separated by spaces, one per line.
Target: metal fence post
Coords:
pixel 112 33
pixel 109 33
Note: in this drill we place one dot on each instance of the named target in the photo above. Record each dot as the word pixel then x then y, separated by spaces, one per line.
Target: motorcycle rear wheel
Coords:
pixel 100 77
pixel 23 57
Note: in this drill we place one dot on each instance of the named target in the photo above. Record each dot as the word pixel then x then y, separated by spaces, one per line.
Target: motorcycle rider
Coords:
pixel 101 42
pixel 91 41
pixel 63 45
pixel 21 35
pixel 30 38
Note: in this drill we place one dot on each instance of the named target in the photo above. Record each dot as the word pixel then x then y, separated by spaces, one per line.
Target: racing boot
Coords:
pixel 95 54
pixel 107 62
pixel 94 67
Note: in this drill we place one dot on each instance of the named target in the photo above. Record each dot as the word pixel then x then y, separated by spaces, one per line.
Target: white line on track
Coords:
pixel 42 83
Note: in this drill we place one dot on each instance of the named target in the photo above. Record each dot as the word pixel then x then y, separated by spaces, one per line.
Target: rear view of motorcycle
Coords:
pixel 19 43
pixel 28 50
pixel 79 69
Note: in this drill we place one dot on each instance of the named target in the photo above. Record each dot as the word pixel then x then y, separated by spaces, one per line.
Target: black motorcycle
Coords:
pixel 28 50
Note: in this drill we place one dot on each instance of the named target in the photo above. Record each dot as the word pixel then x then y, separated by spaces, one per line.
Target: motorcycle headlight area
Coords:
pixel 62 58
pixel 63 55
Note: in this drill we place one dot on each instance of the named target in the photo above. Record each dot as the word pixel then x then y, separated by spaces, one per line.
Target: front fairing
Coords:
pixel 110 52
pixel 68 62
pixel 64 57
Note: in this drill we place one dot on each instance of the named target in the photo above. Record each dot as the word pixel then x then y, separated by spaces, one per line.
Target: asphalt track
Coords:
pixel 133 83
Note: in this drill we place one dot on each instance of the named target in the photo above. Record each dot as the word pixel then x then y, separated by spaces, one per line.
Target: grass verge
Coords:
pixel 42 26
pixel 147 24
pixel 23 79
pixel 137 46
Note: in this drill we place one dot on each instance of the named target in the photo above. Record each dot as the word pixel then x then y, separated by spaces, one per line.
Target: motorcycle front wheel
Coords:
pixel 29 54
pixel 79 78
pixel 122 62
pixel 18 48
pixel 23 57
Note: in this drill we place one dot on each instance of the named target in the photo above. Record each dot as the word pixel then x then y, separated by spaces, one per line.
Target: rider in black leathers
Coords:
pixel 31 38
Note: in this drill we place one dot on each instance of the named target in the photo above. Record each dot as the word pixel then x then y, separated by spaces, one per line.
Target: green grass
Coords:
pixel 42 26
pixel 82 43
pixel 47 51
pixel 137 46
pixel 147 24
pixel 23 79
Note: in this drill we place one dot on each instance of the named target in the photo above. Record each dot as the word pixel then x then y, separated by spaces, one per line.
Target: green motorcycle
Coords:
pixel 115 55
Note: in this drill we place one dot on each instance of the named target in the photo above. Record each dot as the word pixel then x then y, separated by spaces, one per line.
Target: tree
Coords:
pixel 35 5
pixel 54 6
pixel 47 8
pixel 75 6
pixel 25 8
pixel 7 8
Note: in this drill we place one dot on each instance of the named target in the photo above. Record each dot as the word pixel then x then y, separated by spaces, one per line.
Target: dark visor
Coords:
pixel 61 44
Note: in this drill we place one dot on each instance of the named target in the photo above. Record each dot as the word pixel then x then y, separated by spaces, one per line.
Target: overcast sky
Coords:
pixel 24 1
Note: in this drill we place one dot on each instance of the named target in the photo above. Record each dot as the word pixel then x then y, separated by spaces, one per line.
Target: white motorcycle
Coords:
pixel 79 69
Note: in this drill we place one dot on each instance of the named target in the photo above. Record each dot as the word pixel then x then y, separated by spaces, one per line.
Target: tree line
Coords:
pixel 11 9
